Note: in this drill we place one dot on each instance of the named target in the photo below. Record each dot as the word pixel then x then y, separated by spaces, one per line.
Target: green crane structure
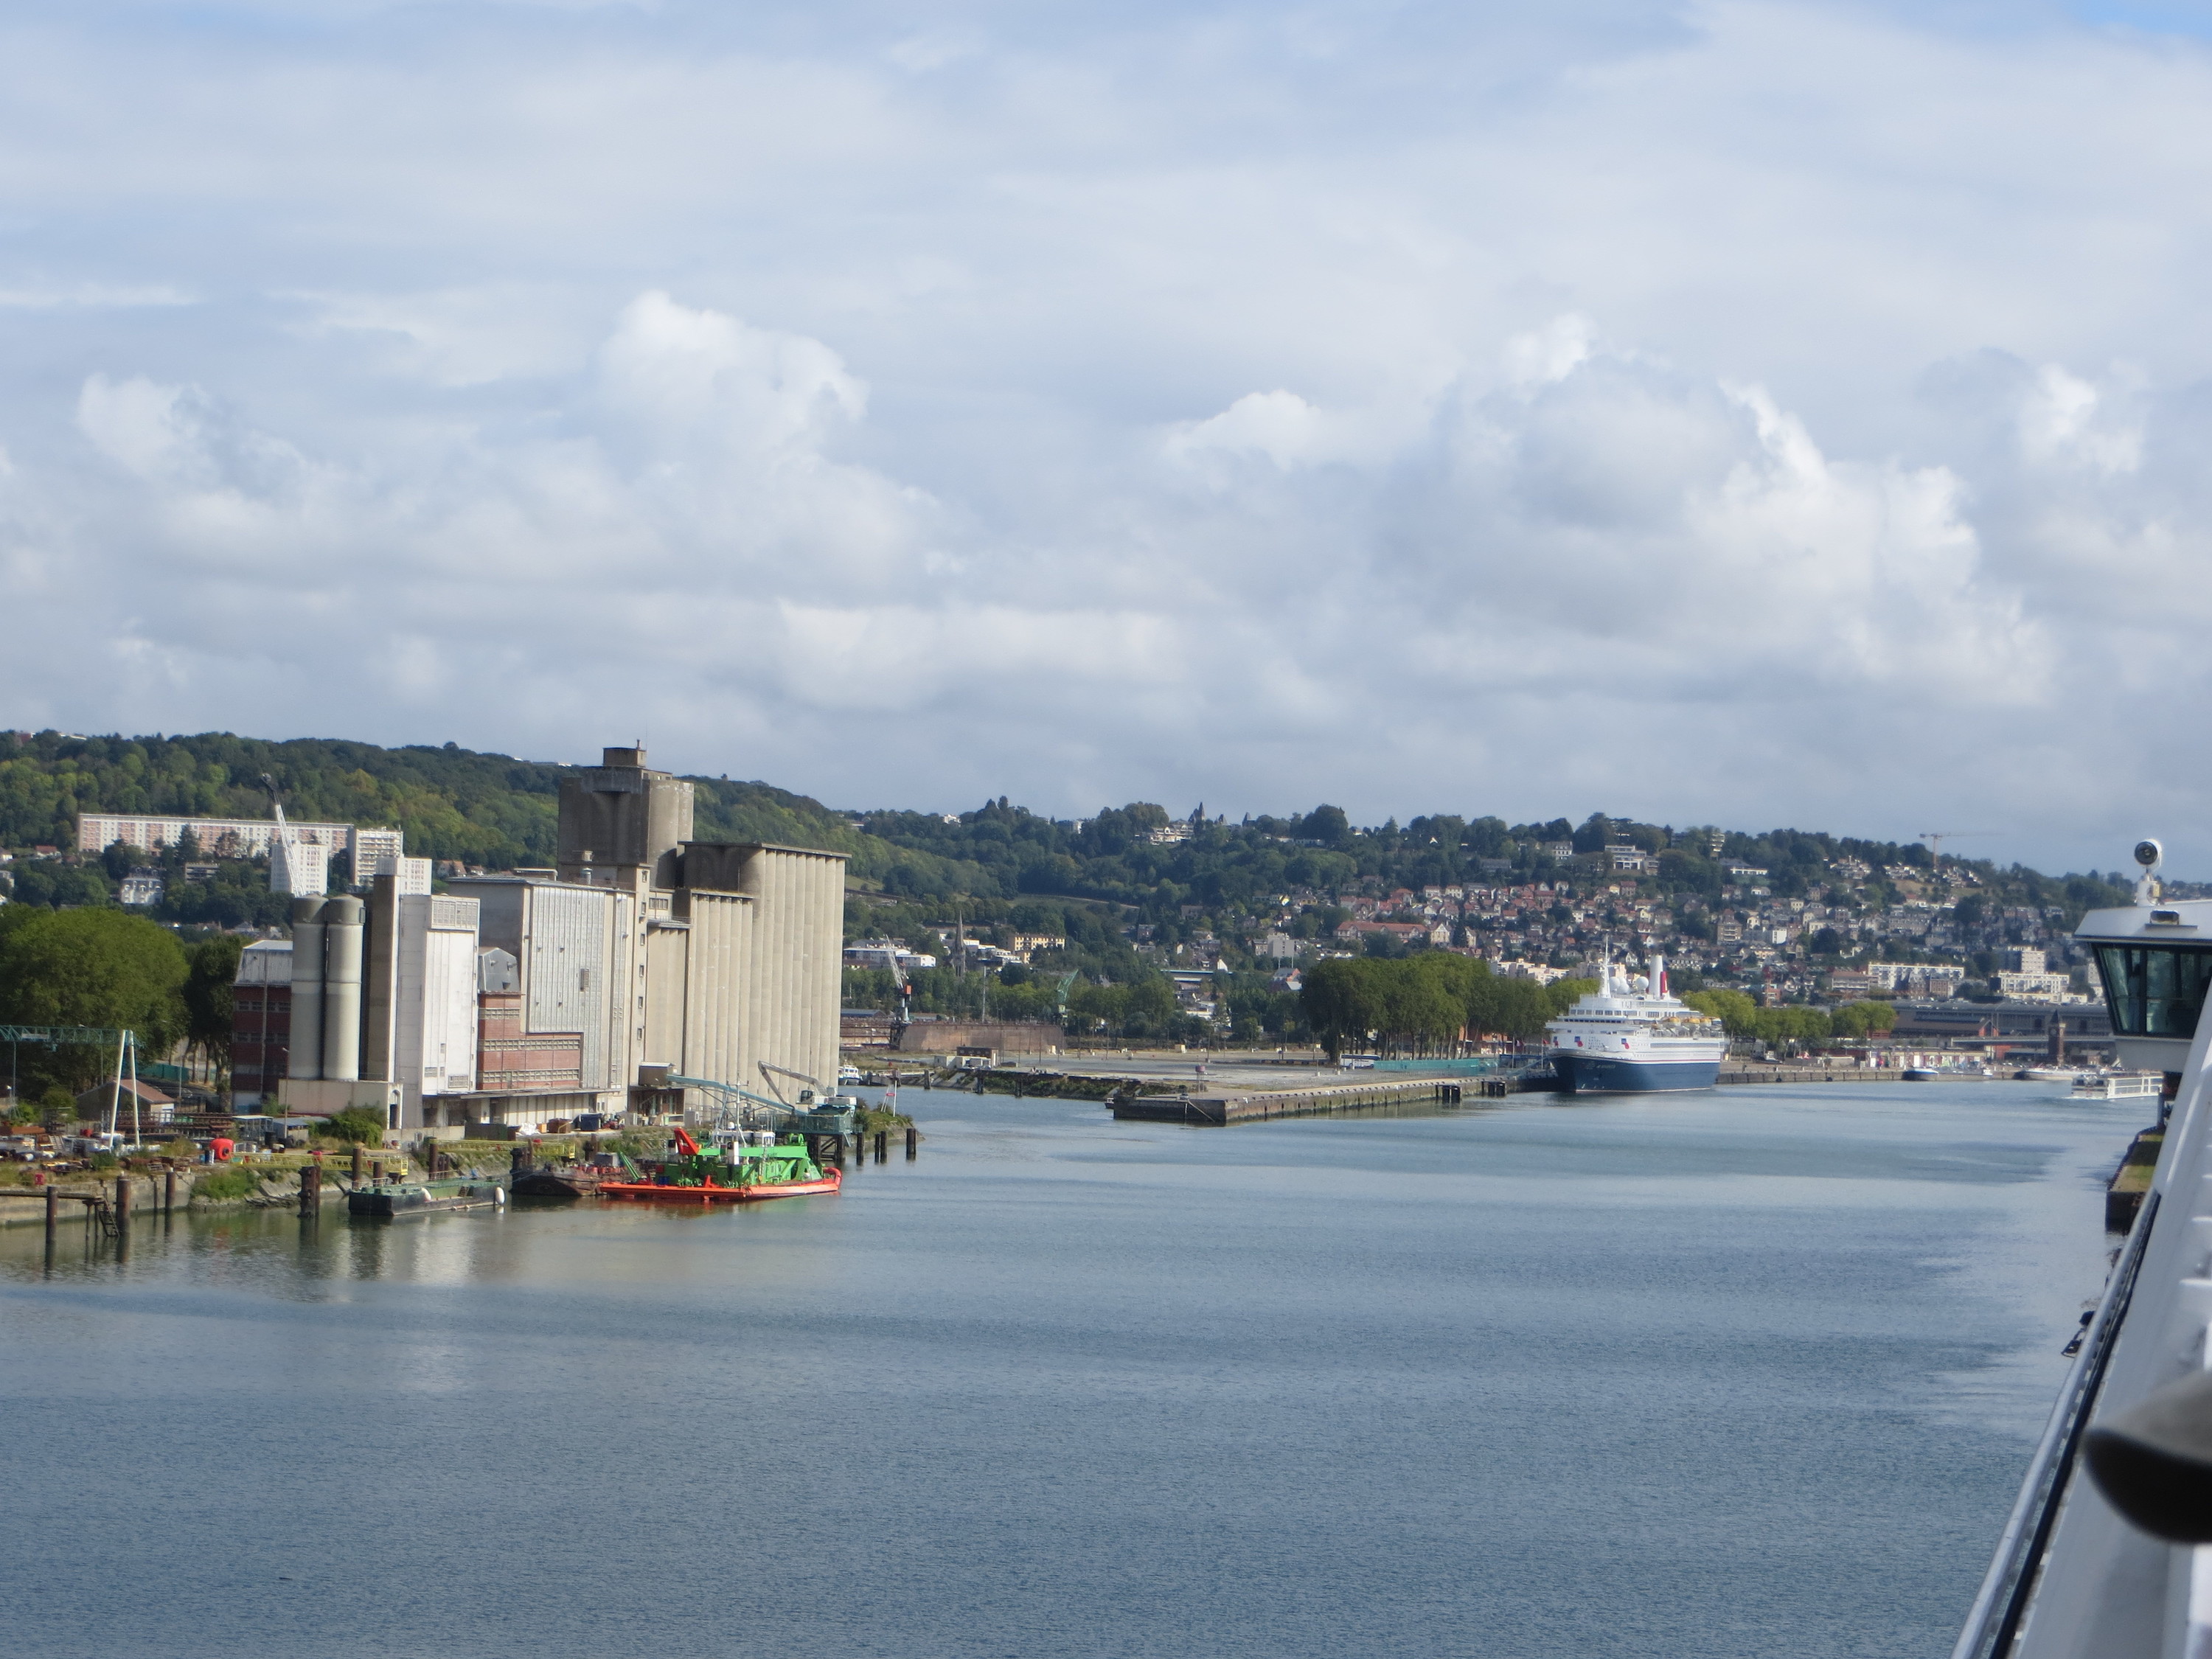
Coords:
pixel 125 1042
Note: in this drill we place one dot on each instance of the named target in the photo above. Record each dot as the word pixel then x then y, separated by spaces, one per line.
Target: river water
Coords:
pixel 1751 1372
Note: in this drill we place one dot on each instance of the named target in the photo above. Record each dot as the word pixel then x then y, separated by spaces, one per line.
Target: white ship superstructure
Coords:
pixel 2077 1575
pixel 1632 1034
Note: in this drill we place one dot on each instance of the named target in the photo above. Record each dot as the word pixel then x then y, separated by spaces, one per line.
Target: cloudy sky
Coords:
pixel 1752 413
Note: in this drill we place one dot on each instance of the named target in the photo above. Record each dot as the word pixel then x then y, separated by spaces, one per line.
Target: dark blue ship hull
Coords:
pixel 1590 1074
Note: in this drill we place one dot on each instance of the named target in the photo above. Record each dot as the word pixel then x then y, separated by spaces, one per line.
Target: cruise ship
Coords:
pixel 2108 1552
pixel 1632 1034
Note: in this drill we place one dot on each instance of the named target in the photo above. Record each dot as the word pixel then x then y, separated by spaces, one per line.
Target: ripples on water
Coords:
pixel 1752 1372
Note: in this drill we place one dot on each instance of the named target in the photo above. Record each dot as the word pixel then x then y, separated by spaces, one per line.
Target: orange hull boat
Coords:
pixel 651 1193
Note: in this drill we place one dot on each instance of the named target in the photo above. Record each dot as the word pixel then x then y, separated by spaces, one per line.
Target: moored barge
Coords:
pixel 743 1168
pixel 399 1200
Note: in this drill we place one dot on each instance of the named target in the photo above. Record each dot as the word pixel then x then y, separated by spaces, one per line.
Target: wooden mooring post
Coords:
pixel 311 1191
pixel 883 1146
pixel 53 1215
pixel 122 1200
pixel 169 1191
pixel 911 1140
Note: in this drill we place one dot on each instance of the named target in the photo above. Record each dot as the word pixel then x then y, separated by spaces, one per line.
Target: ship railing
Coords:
pixel 1995 1620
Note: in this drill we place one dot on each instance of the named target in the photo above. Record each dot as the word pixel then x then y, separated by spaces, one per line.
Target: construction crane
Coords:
pixel 126 1063
pixel 276 801
pixel 731 1101
pixel 905 986
pixel 1935 838
pixel 282 845
pixel 772 1073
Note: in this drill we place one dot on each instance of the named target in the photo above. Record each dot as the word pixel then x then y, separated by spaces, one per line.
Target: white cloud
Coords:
pixel 2061 422
pixel 1544 355
pixel 1711 414
pixel 146 428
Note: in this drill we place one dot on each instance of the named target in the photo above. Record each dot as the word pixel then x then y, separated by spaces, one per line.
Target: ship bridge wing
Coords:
pixel 2072 1579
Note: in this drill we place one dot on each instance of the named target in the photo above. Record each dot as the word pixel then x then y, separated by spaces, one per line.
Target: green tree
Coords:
pixel 1342 1001
pixel 1790 1025
pixel 360 1124
pixel 99 967
pixel 1328 825
pixel 1859 1019
pixel 56 1108
pixel 1424 999
pixel 1503 1005
pixel 1735 1011
pixel 209 980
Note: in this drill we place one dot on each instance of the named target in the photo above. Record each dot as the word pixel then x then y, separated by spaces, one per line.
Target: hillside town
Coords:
pixel 1129 927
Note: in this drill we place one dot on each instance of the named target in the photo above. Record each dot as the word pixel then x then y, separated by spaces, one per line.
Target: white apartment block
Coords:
pixel 375 851
pixel 237 838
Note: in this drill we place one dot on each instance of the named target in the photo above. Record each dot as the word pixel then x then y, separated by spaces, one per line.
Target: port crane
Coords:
pixel 904 984
pixel 1935 838
pixel 816 1089
pixel 730 1101
pixel 276 801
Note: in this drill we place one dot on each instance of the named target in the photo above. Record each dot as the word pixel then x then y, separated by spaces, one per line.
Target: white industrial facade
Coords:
pixel 643 948
pixel 708 958
pixel 419 1028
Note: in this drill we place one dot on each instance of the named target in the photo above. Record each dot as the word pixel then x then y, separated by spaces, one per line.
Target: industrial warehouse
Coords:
pixel 538 996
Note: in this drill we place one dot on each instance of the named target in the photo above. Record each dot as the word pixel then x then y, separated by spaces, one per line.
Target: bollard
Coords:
pixel 883 1144
pixel 356 1164
pixel 376 1172
pixel 911 1138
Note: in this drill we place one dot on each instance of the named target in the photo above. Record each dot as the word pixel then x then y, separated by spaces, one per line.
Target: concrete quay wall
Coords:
pixel 1218 1110
pixel 1811 1074
pixel 26 1206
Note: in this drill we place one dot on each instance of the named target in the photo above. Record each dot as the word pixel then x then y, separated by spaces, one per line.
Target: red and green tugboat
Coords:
pixel 743 1172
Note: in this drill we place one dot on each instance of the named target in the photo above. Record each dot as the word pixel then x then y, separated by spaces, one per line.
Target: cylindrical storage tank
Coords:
pixel 306 1039
pixel 342 948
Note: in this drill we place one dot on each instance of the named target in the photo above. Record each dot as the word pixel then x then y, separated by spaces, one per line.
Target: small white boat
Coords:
pixel 2119 1085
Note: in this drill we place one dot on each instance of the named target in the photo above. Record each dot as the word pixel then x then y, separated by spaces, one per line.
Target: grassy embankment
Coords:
pixel 2136 1168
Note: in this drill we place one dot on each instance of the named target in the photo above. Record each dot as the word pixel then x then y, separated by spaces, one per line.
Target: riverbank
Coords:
pixel 2124 1192
pixel 273 1184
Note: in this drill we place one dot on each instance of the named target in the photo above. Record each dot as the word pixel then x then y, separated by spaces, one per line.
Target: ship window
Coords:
pixel 2154 990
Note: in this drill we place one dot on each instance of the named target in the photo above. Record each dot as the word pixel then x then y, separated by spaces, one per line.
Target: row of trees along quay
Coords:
pixel 1427 1003
pixel 1120 899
